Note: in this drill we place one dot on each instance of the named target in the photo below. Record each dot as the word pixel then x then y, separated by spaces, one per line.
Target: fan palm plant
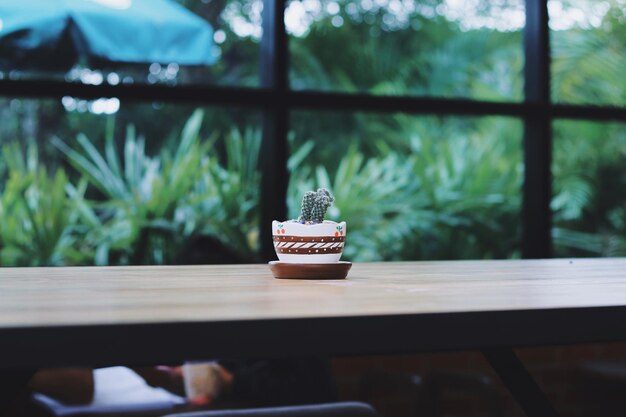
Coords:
pixel 142 197
pixel 150 208
pixel 225 200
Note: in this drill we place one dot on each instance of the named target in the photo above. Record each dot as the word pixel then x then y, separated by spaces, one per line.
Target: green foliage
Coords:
pixel 149 207
pixel 37 216
pixel 468 186
pixel 588 64
pixel 378 185
pixel 142 209
pixel 427 56
pixel 468 198
pixel 409 187
pixel 454 197
pixel 226 199
pixel 141 198
pixel 587 201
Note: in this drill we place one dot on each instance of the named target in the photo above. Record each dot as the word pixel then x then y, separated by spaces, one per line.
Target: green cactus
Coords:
pixel 314 206
pixel 308 201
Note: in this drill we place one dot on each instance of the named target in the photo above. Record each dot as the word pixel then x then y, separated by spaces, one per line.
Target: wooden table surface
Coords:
pixel 229 309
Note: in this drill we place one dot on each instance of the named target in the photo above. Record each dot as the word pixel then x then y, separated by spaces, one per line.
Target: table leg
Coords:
pixel 519 382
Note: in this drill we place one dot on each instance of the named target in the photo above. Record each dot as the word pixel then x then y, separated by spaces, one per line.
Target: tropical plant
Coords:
pixel 150 207
pixel 225 201
pixel 452 196
pixel 468 199
pixel 587 203
pixel 411 187
pixel 369 194
pixel 588 65
pixel 443 60
pixel 142 196
pixel 37 214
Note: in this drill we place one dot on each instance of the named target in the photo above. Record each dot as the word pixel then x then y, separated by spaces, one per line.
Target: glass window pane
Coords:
pixel 588 40
pixel 448 48
pixel 413 187
pixel 589 202
pixel 149 183
pixel 154 41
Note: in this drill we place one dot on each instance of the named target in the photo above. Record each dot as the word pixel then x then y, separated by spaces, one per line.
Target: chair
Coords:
pixel 342 409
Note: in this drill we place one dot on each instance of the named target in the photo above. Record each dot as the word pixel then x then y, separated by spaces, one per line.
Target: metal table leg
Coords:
pixel 519 382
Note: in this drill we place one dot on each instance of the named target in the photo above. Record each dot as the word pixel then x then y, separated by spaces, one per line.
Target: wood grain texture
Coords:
pixel 149 315
pixel 41 297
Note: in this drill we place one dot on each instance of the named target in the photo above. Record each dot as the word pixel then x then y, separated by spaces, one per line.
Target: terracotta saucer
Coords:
pixel 334 270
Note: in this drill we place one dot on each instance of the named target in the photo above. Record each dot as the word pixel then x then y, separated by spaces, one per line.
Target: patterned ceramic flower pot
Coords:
pixel 320 243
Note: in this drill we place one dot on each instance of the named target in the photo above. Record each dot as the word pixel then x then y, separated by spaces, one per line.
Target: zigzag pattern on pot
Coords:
pixel 309 245
pixel 306 245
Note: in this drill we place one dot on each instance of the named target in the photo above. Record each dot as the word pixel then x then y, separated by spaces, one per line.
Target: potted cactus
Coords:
pixel 310 239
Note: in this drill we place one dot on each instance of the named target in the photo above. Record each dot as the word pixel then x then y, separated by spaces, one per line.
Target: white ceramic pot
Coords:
pixel 320 243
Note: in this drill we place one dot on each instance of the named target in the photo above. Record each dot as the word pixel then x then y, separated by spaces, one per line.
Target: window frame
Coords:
pixel 276 101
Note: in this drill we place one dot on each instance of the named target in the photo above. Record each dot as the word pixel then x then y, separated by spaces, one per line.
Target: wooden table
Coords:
pixel 101 316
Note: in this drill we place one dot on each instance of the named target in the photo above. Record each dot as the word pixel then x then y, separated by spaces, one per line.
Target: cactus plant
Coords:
pixel 308 202
pixel 314 206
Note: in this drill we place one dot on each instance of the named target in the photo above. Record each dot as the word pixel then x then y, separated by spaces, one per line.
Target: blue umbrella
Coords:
pixel 53 34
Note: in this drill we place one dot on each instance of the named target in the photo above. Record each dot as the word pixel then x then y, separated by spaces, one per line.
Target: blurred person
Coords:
pixel 242 383
pixel 262 383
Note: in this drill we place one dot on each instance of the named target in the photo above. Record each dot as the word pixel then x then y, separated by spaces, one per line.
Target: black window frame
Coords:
pixel 276 101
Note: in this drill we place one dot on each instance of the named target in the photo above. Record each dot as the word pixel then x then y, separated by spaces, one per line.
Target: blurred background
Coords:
pixel 116 182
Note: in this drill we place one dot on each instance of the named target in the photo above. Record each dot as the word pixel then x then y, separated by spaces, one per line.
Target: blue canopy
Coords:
pixel 44 34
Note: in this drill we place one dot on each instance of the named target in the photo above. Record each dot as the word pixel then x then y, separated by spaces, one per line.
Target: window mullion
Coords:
pixel 274 149
pixel 537 193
